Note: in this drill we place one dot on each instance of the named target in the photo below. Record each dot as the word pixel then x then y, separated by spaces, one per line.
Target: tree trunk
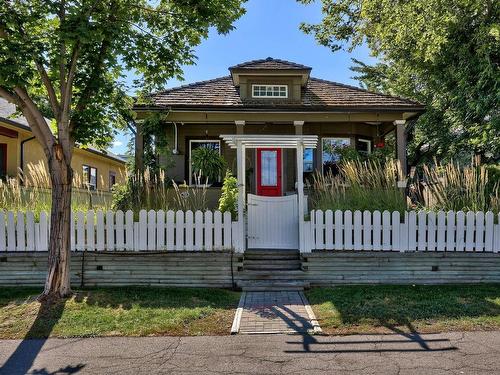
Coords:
pixel 57 284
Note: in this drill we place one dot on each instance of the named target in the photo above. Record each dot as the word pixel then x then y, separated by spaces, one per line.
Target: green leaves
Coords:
pixel 444 53
pixel 103 39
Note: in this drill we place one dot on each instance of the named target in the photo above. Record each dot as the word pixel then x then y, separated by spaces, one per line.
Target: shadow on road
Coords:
pixel 21 360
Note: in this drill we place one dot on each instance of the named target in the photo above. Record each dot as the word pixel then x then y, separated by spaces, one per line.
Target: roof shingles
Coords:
pixel 318 93
pixel 270 63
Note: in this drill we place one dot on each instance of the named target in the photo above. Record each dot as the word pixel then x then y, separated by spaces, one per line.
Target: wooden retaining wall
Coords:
pixel 385 267
pixel 213 269
pixel 183 269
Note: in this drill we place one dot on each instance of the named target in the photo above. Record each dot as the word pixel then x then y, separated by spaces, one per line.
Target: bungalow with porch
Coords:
pixel 274 124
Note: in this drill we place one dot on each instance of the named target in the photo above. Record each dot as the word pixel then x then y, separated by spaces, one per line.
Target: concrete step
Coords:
pixel 272 277
pixel 271 267
pixel 285 256
pixel 271 251
pixel 272 285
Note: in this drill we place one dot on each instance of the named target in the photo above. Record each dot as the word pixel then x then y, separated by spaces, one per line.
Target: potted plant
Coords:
pixel 208 165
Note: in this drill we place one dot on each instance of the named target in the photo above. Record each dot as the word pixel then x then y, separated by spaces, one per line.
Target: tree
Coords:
pixel 443 53
pixel 64 59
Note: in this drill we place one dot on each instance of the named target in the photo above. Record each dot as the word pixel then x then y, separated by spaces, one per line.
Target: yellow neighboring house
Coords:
pixel 20 153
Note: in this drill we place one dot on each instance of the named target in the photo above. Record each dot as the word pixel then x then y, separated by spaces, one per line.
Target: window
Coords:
pixel 90 177
pixel 364 146
pixel 193 145
pixel 308 160
pixel 3 160
pixel 330 152
pixel 269 168
pixel 112 180
pixel 269 91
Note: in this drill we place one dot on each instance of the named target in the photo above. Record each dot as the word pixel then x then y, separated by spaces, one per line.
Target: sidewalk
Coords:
pixel 451 353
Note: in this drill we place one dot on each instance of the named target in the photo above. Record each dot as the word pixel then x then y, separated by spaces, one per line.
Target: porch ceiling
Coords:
pixel 264 140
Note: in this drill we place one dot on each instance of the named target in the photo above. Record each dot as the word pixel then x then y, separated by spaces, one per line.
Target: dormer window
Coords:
pixel 269 91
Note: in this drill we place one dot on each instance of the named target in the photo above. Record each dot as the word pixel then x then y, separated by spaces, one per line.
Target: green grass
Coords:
pixel 118 312
pixel 383 309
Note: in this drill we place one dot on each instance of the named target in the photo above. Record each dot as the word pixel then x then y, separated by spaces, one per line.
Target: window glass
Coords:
pixel 269 168
pixel 364 146
pixel 89 175
pixel 270 91
pixel 308 160
pixel 330 152
pixel 112 180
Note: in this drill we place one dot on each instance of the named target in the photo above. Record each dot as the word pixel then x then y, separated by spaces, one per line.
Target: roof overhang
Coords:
pixel 236 73
pixel 275 141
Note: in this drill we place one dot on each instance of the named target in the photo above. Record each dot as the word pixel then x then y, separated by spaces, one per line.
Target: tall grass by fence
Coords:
pixel 117 231
pixel 412 231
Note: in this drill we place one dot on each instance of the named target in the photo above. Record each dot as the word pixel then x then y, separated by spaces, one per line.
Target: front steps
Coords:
pixel 271 270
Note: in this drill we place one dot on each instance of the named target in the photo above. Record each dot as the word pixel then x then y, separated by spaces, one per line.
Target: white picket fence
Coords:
pixel 208 231
pixel 99 231
pixel 413 231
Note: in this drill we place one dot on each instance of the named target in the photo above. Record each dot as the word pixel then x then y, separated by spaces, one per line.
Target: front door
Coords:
pixel 269 172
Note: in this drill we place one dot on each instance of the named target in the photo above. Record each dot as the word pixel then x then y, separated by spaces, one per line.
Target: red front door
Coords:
pixel 269 172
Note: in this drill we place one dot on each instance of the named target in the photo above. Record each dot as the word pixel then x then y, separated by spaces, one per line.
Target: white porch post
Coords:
pixel 401 145
pixel 300 192
pixel 240 164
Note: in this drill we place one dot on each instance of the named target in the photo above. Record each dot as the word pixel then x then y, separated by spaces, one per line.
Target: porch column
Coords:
pixel 401 144
pixel 300 192
pixel 298 127
pixel 240 126
pixel 240 164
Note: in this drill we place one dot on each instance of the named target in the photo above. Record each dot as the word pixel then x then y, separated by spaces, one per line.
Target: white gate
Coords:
pixel 273 222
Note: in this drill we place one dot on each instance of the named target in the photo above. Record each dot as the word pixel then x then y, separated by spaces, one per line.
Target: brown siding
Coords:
pixel 186 132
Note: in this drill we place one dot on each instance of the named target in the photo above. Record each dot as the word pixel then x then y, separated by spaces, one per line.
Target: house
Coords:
pixel 274 124
pixel 22 156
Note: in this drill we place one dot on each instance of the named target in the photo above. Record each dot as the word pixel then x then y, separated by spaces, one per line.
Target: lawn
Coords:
pixel 384 309
pixel 118 312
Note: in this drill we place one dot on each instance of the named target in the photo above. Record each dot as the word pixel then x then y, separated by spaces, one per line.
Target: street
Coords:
pixel 449 353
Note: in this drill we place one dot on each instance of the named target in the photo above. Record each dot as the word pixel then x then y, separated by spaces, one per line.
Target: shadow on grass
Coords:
pixel 394 306
pixel 21 360
pixel 163 298
pixel 129 297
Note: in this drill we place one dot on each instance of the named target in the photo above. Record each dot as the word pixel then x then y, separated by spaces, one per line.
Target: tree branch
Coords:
pixel 9 96
pixel 36 120
pixel 54 102
pixel 41 70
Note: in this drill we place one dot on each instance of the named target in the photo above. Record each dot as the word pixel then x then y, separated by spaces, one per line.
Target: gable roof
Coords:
pixel 270 63
pixel 318 94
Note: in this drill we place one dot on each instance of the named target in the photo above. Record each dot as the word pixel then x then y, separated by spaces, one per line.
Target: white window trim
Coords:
pixel 270 96
pixel 191 141
pixel 326 138
pixel 369 142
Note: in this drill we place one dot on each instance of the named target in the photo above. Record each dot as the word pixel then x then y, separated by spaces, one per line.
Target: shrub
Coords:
pixel 208 164
pixel 360 185
pixel 455 187
pixel 149 191
pixel 229 196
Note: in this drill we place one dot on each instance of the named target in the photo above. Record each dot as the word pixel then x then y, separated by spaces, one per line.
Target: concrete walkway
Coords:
pixel 274 312
pixel 451 353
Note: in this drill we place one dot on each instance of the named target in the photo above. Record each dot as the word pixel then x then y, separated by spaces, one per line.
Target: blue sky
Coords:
pixel 269 28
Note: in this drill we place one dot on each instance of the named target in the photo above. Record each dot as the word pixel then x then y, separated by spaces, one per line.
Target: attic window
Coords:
pixel 269 91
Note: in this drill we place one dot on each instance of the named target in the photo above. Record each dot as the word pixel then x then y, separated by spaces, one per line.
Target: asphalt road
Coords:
pixel 451 353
